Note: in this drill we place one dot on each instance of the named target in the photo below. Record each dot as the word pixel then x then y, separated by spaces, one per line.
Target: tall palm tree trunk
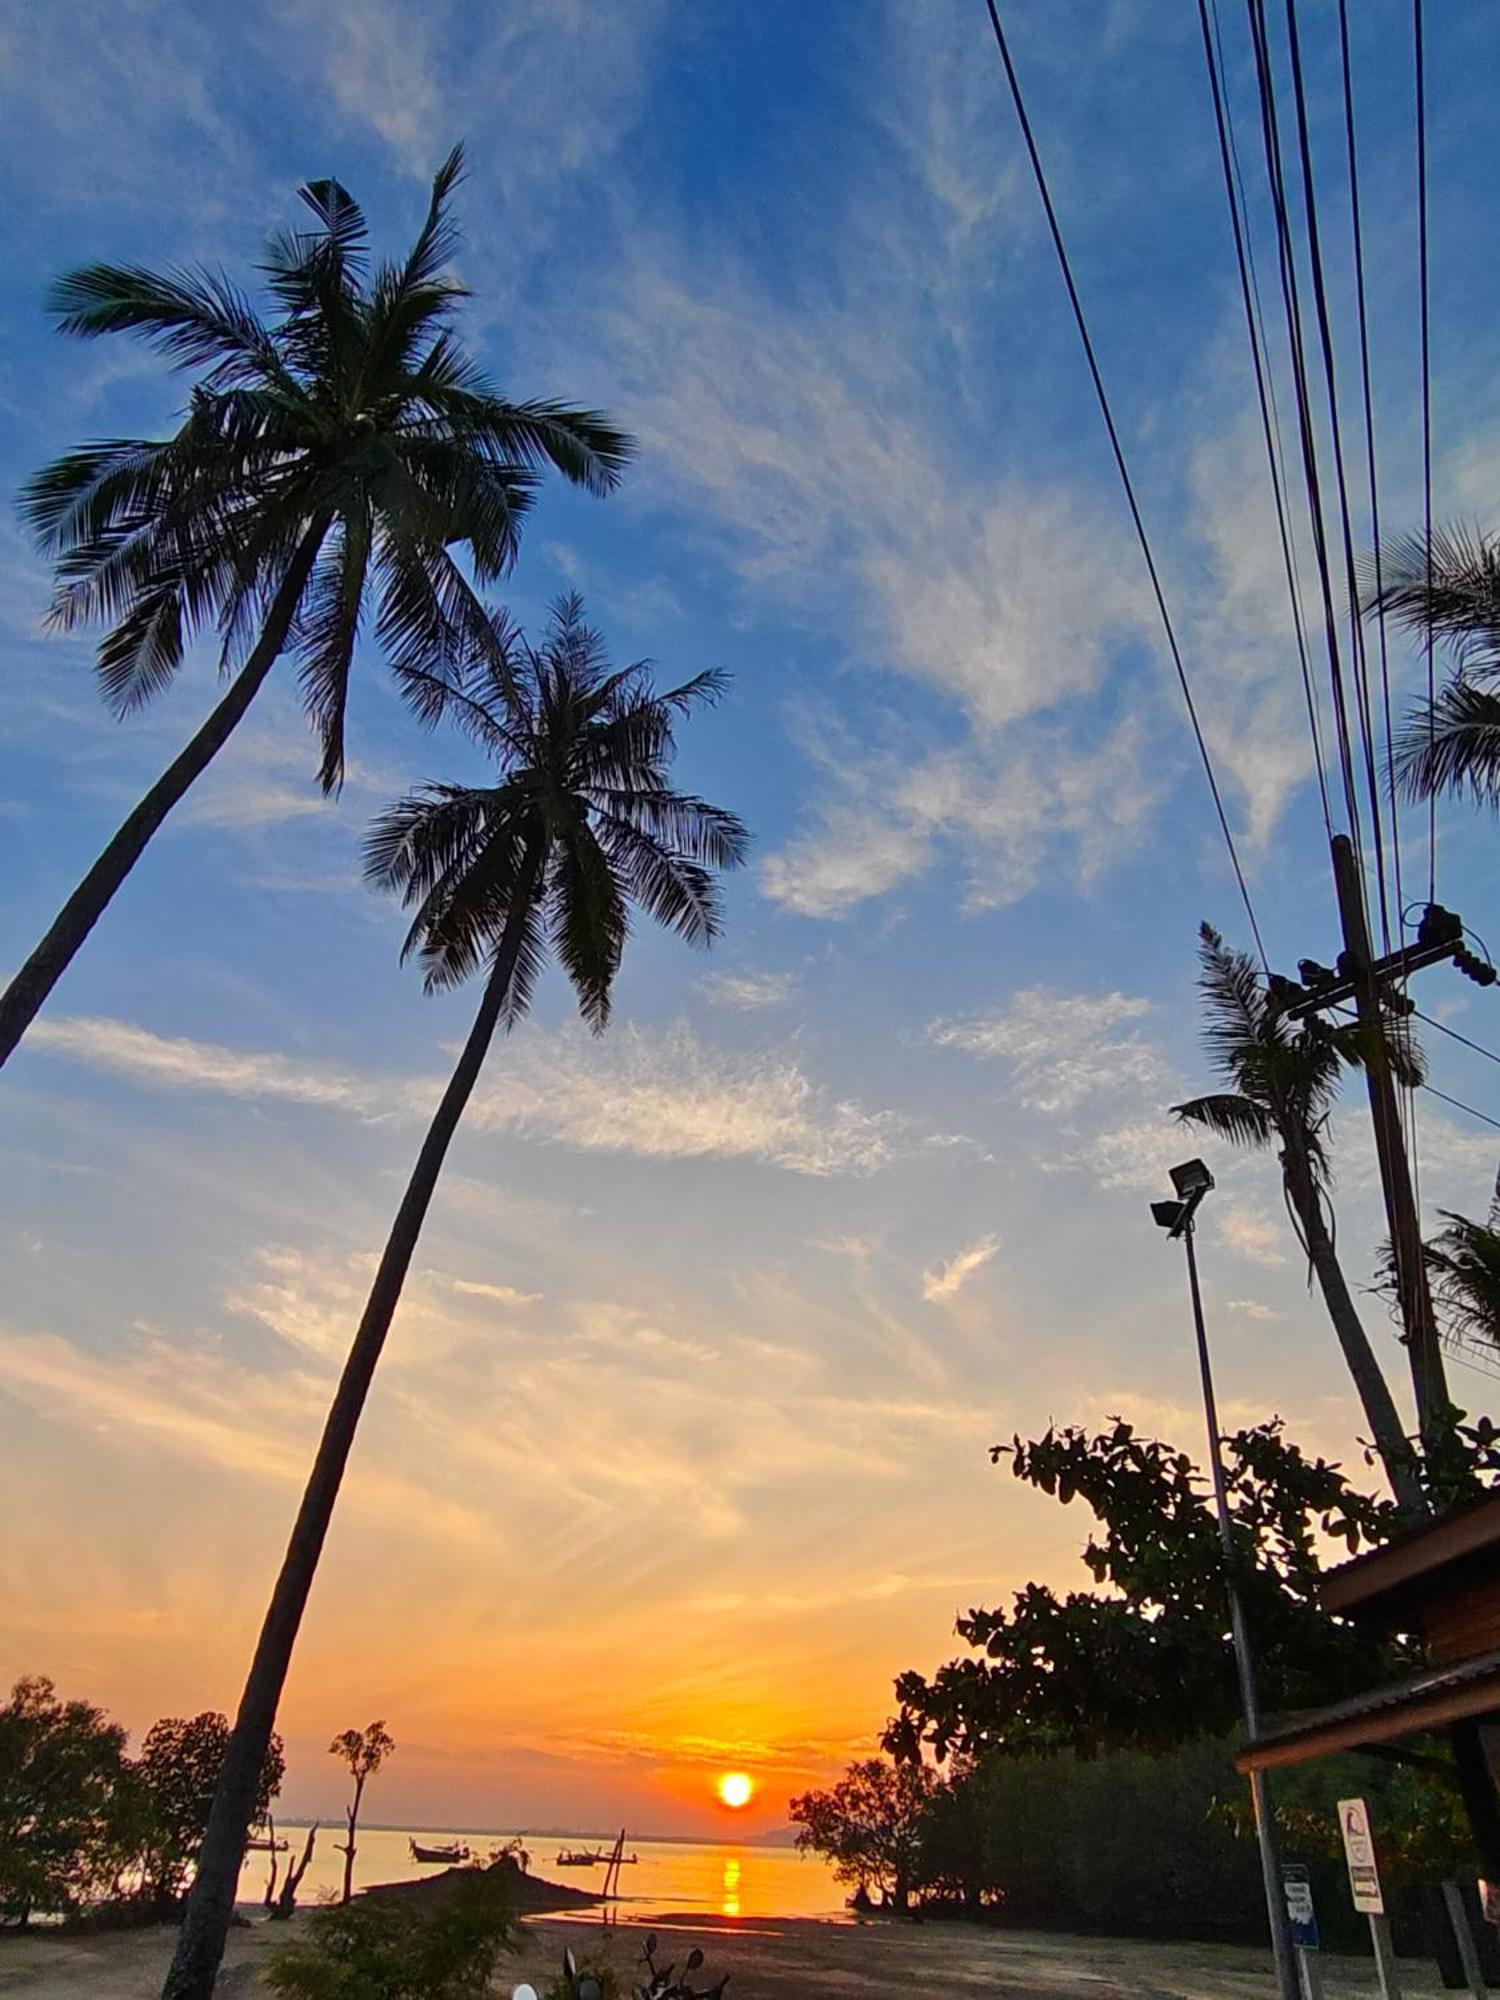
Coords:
pixel 210 1904
pixel 1386 1429
pixel 28 991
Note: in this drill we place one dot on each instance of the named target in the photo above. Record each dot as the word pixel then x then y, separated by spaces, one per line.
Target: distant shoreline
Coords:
pixel 776 1837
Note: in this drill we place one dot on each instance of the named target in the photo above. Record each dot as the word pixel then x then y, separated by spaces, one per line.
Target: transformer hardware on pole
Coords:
pixel 1440 935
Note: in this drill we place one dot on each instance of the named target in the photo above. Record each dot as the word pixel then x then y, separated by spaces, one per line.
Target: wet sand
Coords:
pixel 795 1960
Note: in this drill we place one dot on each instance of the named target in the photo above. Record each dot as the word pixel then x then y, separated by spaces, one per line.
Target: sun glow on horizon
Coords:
pixel 736 1789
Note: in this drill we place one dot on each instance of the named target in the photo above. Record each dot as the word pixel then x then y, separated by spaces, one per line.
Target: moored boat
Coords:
pixel 447 1853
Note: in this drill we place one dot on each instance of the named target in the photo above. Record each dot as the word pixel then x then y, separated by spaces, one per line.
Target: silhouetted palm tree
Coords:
pixel 338 451
pixel 1463 1267
pixel 1285 1077
pixel 1453 744
pixel 579 823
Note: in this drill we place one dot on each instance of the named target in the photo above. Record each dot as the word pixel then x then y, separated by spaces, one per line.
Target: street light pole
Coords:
pixel 1180 1223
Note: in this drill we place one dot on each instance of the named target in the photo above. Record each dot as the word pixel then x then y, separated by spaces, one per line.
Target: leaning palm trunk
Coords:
pixel 27 992
pixel 210 1905
pixel 1381 1414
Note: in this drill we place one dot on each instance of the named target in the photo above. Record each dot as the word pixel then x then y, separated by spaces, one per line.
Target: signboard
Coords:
pixel 1359 1853
pixel 1301 1916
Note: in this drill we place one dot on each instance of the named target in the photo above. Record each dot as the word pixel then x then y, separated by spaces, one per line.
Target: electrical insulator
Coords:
pixel 1478 969
pixel 1439 926
pixel 1285 993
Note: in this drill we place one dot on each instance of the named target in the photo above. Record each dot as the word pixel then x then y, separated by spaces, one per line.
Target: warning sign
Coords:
pixel 1359 1853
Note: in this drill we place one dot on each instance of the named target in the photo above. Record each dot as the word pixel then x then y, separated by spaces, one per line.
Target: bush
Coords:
pixel 176 1773
pixel 63 1786
pixel 395 1948
pixel 604 1976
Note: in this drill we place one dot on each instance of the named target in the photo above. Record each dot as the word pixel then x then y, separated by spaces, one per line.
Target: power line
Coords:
pixel 1407 1095
pixel 1271 130
pixel 1420 62
pixel 1459 1105
pixel 1443 1029
pixel 1341 485
pixel 1265 349
pixel 1286 259
pixel 1265 390
pixel 1126 481
pixel 1431 1088
pixel 1367 397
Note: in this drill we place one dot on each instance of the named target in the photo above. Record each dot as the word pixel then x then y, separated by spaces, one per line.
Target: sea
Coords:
pixel 707 1879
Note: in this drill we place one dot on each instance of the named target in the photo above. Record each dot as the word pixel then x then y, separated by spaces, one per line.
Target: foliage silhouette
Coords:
pixel 334 455
pixel 364 1751
pixel 580 822
pixel 1284 1078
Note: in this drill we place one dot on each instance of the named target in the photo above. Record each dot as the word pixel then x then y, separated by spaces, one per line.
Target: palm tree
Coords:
pixel 1284 1078
pixel 1463 1266
pixel 579 823
pixel 1451 744
pixel 342 449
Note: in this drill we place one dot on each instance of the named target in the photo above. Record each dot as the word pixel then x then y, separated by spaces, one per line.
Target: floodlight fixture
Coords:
pixel 1166 1214
pixel 1192 1178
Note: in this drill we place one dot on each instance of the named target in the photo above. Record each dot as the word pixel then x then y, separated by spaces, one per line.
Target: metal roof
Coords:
pixel 1426 1700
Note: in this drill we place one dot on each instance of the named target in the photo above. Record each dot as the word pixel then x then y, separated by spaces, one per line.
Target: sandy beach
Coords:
pixel 795 1960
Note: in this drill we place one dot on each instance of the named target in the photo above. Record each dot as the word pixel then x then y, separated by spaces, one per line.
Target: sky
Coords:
pixel 679 1451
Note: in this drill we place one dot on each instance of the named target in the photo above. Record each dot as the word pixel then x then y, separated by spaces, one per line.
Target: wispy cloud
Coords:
pixel 205 1407
pixel 179 1063
pixel 1135 1154
pixel 1251 1231
pixel 1061 1047
pixel 500 1295
pixel 663 1096
pixel 949 1279
pixel 748 992
pixel 1001 813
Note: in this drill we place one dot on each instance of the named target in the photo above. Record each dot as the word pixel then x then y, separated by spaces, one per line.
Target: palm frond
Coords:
pixel 342 230
pixel 680 893
pixel 458 856
pixel 689 826
pixel 583 445
pixel 406 299
pixel 1237 1119
pixel 195 318
pixel 1452 747
pixel 140 655
pixel 1463 1262
pixel 1454 582
pixel 589 922
pixel 1234 1001
pixel 705 690
pixel 327 632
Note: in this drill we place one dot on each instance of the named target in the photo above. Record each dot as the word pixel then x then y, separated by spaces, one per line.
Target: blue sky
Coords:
pixel 679 1454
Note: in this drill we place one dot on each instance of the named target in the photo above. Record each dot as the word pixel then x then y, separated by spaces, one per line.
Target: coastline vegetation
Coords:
pixel 87 1829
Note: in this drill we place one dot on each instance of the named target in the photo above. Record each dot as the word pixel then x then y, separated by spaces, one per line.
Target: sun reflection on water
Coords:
pixel 730 1906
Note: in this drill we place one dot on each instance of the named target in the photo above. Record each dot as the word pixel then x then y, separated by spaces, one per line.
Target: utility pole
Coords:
pixel 1360 977
pixel 1424 1352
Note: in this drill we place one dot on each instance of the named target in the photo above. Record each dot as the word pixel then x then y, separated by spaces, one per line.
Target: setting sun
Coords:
pixel 735 1789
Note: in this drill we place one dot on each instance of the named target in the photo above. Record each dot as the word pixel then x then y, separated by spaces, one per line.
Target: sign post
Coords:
pixel 1364 1888
pixel 1463 1937
pixel 1302 1922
